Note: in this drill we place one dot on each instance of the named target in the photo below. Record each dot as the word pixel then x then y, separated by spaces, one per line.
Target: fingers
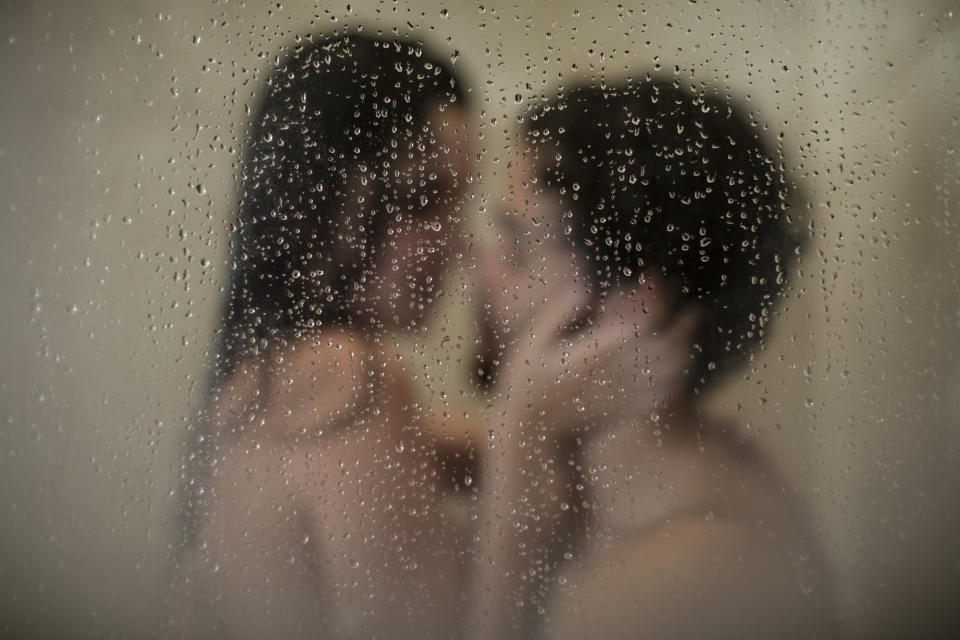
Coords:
pixel 559 308
pixel 610 334
pixel 631 357
pixel 684 325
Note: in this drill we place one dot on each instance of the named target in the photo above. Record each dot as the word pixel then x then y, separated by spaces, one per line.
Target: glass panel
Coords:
pixel 504 319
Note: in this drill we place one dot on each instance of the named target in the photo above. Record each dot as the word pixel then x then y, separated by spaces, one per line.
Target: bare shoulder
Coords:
pixel 689 578
pixel 301 388
pixel 317 382
pixel 730 555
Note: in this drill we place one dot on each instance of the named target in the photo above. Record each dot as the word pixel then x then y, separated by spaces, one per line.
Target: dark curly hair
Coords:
pixel 656 178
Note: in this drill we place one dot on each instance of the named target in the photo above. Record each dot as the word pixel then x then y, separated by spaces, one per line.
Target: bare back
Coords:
pixel 325 514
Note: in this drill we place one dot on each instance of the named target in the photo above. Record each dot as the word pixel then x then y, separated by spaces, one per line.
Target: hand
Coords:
pixel 620 363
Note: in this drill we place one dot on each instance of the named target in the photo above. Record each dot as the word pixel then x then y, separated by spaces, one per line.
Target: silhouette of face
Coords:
pixel 433 167
pixel 531 257
pixel 530 250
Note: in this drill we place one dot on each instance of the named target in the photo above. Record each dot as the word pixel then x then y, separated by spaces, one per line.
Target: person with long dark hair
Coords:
pixel 652 235
pixel 313 505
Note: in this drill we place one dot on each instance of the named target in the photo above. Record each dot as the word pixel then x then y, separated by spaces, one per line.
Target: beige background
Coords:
pixel 119 127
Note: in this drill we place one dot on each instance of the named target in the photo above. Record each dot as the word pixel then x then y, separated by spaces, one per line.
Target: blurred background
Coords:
pixel 120 125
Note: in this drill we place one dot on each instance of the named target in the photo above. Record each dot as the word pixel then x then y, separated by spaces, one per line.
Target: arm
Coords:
pixel 524 519
pixel 525 487
pixel 552 388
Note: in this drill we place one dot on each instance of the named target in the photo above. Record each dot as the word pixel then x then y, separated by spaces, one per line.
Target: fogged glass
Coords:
pixel 406 319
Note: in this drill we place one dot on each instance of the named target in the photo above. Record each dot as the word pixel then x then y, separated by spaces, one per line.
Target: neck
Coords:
pixel 660 426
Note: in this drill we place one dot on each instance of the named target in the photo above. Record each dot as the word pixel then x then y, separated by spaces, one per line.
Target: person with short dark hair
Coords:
pixel 649 236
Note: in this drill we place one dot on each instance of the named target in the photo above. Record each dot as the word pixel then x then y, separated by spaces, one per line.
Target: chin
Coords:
pixel 412 313
pixel 424 308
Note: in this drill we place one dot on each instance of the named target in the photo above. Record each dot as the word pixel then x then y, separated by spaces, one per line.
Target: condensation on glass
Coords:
pixel 406 319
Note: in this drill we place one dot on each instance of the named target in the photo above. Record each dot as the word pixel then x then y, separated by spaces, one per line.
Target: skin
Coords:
pixel 326 515
pixel 410 268
pixel 685 533
pixel 674 525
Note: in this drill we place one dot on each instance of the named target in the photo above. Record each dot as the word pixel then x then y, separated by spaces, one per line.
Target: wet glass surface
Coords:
pixel 462 330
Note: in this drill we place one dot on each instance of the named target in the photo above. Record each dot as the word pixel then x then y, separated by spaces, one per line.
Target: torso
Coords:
pixel 687 534
pixel 328 515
